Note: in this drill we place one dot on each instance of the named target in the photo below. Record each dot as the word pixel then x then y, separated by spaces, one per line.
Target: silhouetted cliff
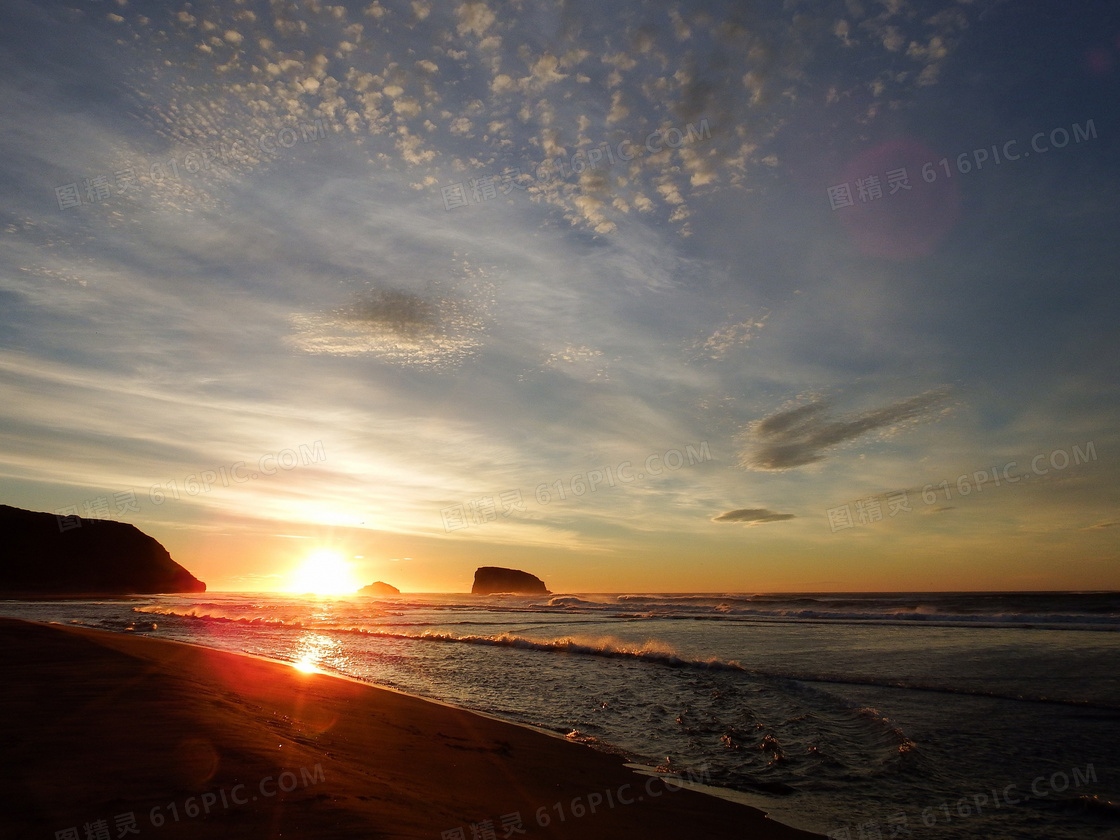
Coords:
pixel 83 557
pixel 491 579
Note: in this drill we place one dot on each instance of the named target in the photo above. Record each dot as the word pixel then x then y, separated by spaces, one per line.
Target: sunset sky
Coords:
pixel 292 237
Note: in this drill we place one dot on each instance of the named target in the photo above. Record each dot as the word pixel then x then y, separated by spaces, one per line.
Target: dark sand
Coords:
pixel 100 725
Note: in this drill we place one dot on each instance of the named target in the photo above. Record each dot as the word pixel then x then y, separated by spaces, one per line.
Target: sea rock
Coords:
pixel 489 580
pixel 379 588
pixel 44 554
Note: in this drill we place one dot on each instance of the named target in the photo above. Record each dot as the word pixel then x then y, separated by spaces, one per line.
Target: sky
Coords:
pixel 637 297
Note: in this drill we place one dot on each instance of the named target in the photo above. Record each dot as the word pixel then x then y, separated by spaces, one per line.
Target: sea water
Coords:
pixel 859 716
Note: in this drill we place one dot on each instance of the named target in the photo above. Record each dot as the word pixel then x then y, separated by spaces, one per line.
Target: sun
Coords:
pixel 324 572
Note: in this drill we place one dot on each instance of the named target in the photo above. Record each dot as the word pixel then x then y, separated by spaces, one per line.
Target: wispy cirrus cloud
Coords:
pixel 803 435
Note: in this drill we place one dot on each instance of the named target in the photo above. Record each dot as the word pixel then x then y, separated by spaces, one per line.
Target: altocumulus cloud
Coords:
pixel 396 326
pixel 752 516
pixel 800 436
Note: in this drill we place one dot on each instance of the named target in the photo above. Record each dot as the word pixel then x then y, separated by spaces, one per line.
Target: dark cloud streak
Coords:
pixel 400 312
pixel 753 516
pixel 801 435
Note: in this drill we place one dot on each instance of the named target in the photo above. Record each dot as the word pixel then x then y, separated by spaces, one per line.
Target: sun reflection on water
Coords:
pixel 314 650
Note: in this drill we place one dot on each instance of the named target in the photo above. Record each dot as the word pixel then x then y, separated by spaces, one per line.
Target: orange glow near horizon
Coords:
pixel 324 572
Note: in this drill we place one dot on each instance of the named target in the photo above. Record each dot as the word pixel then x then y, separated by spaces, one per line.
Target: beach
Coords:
pixel 174 740
pixel 501 421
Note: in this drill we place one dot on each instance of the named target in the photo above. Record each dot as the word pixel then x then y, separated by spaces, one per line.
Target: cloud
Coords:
pixel 386 113
pixel 730 335
pixel 173 310
pixel 474 17
pixel 396 326
pixel 400 312
pixel 544 71
pixel 753 516
pixel 583 363
pixel 802 435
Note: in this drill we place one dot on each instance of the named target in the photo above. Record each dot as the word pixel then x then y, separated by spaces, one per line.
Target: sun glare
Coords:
pixel 324 573
pixel 307 665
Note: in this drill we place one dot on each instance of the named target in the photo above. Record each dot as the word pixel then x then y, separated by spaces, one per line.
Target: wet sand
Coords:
pixel 182 741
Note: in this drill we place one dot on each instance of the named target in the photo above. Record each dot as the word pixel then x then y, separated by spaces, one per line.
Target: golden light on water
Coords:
pixel 313 649
pixel 324 572
pixel 307 665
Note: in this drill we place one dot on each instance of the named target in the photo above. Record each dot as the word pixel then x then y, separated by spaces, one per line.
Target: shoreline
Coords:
pixel 178 740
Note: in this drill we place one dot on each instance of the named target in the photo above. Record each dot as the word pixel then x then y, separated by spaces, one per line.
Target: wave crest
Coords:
pixel 604 646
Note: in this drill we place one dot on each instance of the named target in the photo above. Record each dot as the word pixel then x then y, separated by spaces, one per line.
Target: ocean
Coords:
pixel 859 716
